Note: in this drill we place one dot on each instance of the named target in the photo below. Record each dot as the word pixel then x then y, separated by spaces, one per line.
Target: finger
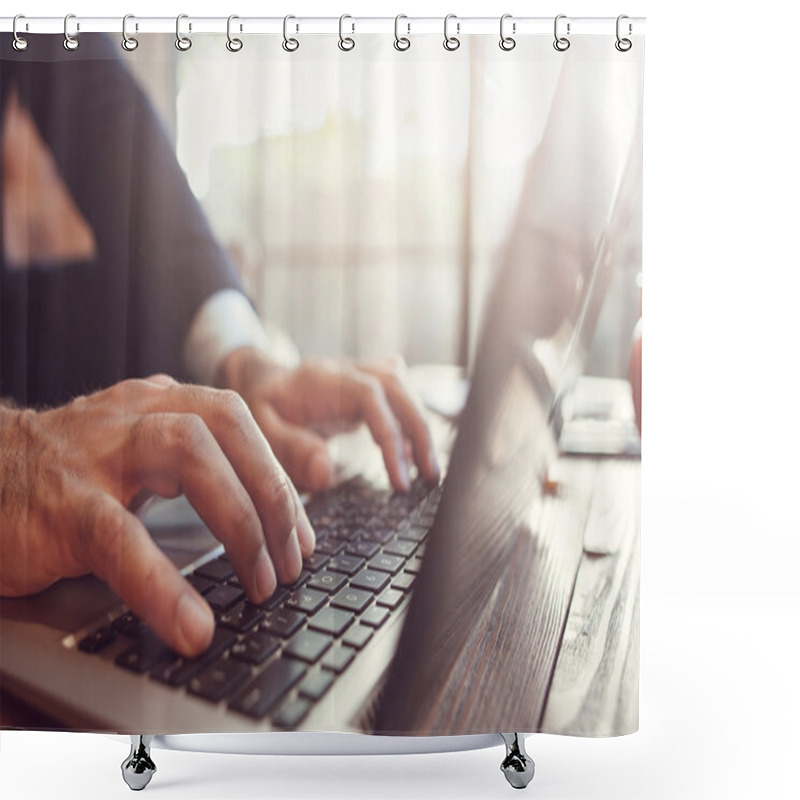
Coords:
pixel 171 453
pixel 373 407
pixel 161 379
pixel 118 549
pixel 234 428
pixel 411 418
pixel 303 454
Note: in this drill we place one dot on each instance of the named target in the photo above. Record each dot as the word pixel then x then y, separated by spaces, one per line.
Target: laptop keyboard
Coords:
pixel 369 550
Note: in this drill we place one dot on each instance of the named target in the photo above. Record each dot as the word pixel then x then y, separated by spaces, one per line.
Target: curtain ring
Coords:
pixel 288 44
pixel 623 45
pixel 233 44
pixel 451 42
pixel 401 43
pixel 70 42
pixel 20 43
pixel 346 43
pixel 561 43
pixel 506 42
pixel 129 43
pixel 183 43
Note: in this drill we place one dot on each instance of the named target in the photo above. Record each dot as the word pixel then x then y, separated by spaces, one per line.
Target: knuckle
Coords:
pixel 278 489
pixel 189 432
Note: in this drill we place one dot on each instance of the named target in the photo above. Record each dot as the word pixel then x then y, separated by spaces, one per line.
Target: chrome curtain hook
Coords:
pixel 20 43
pixel 507 42
pixel 233 44
pixel 129 43
pixel 401 43
pixel 346 43
pixel 451 42
pixel 182 42
pixel 70 42
pixel 289 44
pixel 561 43
pixel 623 45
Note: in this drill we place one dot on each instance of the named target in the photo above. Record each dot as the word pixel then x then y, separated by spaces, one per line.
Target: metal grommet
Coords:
pixel 561 43
pixel 19 43
pixel 289 44
pixel 401 43
pixel 346 43
pixel 129 43
pixel 623 45
pixel 183 43
pixel 70 42
pixel 451 42
pixel 506 42
pixel 234 45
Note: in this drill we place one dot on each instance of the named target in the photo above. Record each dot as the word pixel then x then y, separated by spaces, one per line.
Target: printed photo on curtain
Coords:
pixel 320 382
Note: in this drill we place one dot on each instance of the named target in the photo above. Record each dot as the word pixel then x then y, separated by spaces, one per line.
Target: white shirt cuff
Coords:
pixel 224 323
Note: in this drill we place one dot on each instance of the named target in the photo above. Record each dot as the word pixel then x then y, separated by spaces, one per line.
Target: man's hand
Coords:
pixel 72 476
pixel 293 407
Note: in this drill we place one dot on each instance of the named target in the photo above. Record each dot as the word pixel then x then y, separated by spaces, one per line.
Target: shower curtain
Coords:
pixel 320 380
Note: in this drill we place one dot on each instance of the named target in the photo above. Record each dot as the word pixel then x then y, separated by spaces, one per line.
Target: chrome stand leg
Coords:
pixel 138 768
pixel 517 766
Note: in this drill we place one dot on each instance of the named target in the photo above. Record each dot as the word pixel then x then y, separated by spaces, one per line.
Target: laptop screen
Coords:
pixel 495 536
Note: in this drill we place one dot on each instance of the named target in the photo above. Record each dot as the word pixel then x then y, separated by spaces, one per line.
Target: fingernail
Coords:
pixel 292 558
pixel 266 582
pixel 195 621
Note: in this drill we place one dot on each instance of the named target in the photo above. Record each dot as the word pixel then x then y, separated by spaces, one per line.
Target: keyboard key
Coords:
pixel 148 651
pixel 331 546
pixel 304 576
pixel 315 684
pixel 414 565
pixel 275 599
pixel 338 659
pixel 218 570
pixel 349 565
pixel 331 620
pixel 316 561
pixel 413 533
pixel 178 670
pixel 219 680
pixel 241 617
pixel 370 580
pixel 365 549
pixel 97 641
pixel 327 581
pixel 352 599
pixel 357 636
pixel 391 598
pixel 223 597
pixel 292 713
pixel 307 646
pixel 380 535
pixel 375 617
pixel 202 585
pixel 129 625
pixel 386 563
pixel 255 648
pixel 307 600
pixel 259 697
pixel 403 581
pixel 282 622
pixel 400 547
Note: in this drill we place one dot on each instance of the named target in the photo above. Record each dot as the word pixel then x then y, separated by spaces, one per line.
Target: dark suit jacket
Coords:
pixel 70 329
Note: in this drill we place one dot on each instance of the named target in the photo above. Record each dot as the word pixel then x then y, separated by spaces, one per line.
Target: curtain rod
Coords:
pixel 325 25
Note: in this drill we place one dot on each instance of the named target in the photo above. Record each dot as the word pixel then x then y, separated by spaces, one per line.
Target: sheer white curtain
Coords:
pixel 367 194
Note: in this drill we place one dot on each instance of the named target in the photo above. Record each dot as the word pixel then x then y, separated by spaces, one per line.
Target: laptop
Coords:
pixel 370 637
